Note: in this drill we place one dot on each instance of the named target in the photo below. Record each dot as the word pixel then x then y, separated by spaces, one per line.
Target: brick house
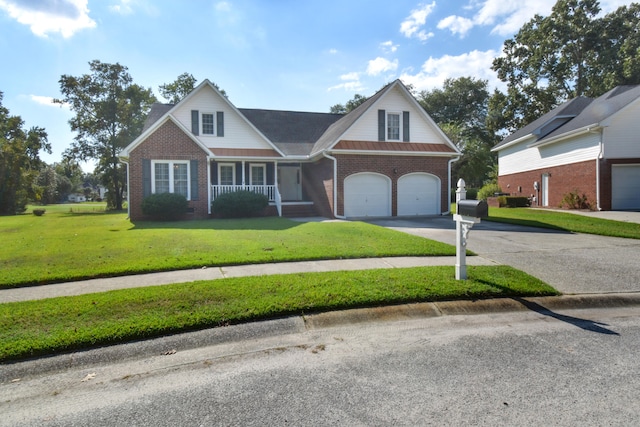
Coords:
pixel 385 158
pixel 585 146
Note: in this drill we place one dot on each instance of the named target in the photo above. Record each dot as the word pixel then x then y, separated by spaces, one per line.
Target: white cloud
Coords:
pixel 456 24
pixel 351 82
pixel 412 25
pixel 42 100
pixel 381 65
pixel 63 16
pixel 122 8
pixel 388 47
pixel 435 71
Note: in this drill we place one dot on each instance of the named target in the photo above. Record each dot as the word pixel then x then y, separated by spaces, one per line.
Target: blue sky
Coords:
pixel 302 55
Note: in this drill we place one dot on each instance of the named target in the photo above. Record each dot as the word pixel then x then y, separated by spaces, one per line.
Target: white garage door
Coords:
pixel 625 187
pixel 367 194
pixel 418 194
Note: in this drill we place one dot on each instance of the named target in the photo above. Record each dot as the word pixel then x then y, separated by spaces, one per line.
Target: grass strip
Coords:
pixel 49 326
pixel 565 222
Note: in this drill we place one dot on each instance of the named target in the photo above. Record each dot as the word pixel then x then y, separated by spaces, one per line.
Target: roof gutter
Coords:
pixel 335 185
pixel 397 153
pixel 585 129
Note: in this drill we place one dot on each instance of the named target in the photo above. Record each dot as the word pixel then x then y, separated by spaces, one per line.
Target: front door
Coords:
pixel 289 183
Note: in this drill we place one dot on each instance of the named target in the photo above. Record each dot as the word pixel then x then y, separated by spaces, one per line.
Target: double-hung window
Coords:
pixel 257 175
pixel 393 126
pixel 170 176
pixel 208 124
pixel 227 174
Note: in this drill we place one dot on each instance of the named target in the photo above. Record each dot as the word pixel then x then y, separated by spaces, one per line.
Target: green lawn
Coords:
pixel 53 325
pixel 72 242
pixel 565 221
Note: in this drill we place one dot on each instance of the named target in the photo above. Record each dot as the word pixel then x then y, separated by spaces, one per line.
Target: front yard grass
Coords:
pixel 82 241
pixel 565 221
pixel 49 326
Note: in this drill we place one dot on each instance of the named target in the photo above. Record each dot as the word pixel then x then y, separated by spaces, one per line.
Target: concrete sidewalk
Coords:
pixel 213 273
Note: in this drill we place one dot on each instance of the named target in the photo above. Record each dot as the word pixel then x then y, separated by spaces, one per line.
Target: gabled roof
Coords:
pixel 333 135
pixel 574 116
pixel 303 134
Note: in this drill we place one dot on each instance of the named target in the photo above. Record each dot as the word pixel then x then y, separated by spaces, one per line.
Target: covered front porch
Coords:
pixel 280 182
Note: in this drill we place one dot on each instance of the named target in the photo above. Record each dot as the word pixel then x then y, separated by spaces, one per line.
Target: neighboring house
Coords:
pixel 385 158
pixel 586 146
pixel 76 197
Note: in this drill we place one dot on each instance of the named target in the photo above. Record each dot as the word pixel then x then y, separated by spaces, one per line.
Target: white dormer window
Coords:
pixel 394 126
pixel 208 124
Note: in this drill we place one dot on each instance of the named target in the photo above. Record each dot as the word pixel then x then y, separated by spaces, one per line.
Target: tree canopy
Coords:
pixel 181 87
pixel 19 161
pixel 572 52
pixel 460 109
pixel 109 113
pixel 351 105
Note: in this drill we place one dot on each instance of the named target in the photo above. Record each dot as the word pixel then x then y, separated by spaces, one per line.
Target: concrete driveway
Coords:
pixel 570 262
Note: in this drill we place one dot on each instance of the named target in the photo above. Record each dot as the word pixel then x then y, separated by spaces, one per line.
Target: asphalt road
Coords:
pixel 570 262
pixel 574 367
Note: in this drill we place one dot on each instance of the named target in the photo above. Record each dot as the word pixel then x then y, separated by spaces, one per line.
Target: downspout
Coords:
pixel 335 185
pixel 455 159
pixel 600 156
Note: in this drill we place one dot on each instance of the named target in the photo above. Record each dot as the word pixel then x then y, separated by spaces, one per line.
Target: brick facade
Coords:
pixel 168 142
pixel 576 177
pixel 393 167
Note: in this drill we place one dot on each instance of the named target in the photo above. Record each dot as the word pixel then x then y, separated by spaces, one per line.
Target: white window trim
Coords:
pixel 171 177
pixel 263 166
pixel 386 122
pixel 233 168
pixel 213 114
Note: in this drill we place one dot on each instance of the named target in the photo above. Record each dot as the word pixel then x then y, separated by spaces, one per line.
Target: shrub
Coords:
pixel 516 201
pixel 239 204
pixel 165 206
pixel 488 190
pixel 574 201
pixel 39 212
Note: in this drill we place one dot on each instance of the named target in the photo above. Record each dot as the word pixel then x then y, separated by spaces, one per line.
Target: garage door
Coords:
pixel 367 194
pixel 625 187
pixel 418 194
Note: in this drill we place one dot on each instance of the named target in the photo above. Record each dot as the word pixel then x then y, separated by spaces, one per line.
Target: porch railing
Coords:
pixel 267 190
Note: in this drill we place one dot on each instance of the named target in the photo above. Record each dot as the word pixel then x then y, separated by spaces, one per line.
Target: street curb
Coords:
pixel 300 323
pixel 453 308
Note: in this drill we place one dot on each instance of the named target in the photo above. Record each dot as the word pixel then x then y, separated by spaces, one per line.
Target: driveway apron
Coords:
pixel 570 262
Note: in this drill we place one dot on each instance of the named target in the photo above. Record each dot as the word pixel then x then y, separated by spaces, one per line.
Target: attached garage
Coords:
pixel 418 194
pixel 625 187
pixel 367 194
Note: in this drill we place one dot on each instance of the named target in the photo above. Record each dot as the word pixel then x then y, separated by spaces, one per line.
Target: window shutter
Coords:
pixel 195 122
pixel 381 125
pixel 194 180
pixel 220 119
pixel 146 177
pixel 405 126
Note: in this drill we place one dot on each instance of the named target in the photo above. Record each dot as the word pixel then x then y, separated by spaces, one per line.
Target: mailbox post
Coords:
pixel 468 213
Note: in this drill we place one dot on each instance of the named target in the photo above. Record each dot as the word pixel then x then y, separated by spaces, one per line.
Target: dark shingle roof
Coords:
pixel 293 132
pixel 576 114
pixel 157 110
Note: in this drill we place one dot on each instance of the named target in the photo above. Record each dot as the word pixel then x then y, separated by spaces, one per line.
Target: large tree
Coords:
pixel 19 161
pixel 181 87
pixel 351 105
pixel 572 52
pixel 109 113
pixel 460 109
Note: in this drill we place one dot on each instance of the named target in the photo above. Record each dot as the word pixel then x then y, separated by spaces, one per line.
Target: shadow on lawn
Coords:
pixel 262 223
